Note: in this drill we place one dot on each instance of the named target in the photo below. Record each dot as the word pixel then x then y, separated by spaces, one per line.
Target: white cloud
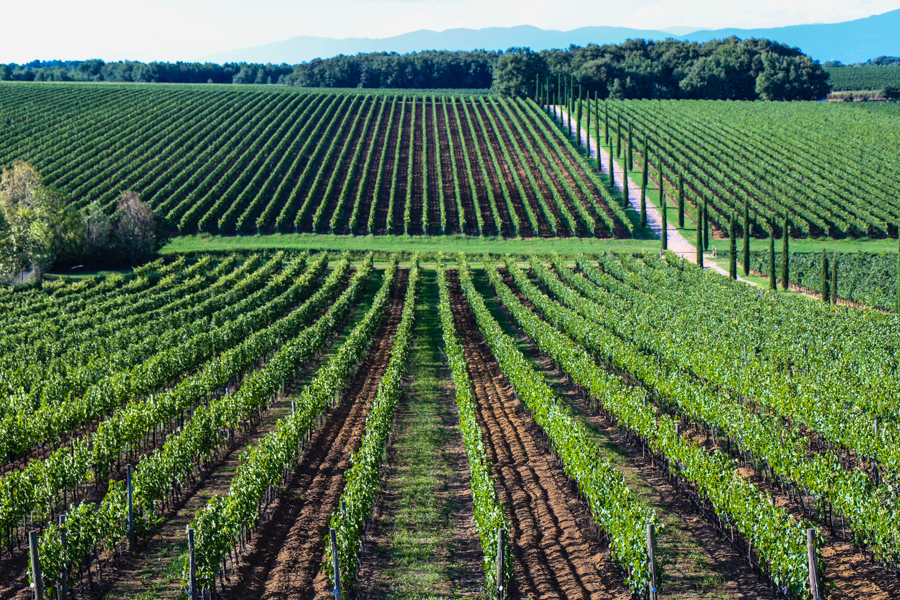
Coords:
pixel 188 29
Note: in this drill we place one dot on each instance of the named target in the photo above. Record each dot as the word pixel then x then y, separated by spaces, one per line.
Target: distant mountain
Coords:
pixel 848 42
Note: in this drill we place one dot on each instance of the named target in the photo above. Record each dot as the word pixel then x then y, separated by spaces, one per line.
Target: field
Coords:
pixel 228 161
pixel 420 410
pixel 863 78
pixel 830 169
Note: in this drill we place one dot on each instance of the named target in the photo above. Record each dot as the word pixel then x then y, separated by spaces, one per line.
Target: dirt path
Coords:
pixel 555 549
pixel 676 242
pixel 286 553
pixel 422 539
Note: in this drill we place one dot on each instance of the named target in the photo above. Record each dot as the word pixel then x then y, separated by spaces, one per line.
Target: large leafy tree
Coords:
pixel 37 226
pixel 516 72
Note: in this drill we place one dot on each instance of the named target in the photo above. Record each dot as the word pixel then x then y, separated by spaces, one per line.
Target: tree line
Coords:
pixel 728 69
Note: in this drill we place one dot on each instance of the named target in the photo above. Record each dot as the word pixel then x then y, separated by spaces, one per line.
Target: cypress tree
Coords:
pixel 680 201
pixel 699 238
pixel 630 149
pixel 597 126
pixel 645 172
pixel 834 279
pixel 578 125
pixel 772 281
pixel 612 172
pixel 732 250
pixel 537 86
pixel 785 255
pixel 606 123
pixel 897 301
pixel 746 239
pixel 826 292
pixel 619 143
pixel 664 234
pixel 644 205
pixel 706 224
pixel 587 127
pixel 625 193
pixel 662 184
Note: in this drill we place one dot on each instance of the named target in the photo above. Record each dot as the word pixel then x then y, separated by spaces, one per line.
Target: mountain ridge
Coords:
pixel 848 41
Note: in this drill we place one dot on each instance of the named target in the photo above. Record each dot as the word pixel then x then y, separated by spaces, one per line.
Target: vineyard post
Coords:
pixel 651 553
pixel 335 565
pixel 192 567
pixel 35 565
pixel 501 560
pixel 811 551
pixel 130 508
pixel 64 583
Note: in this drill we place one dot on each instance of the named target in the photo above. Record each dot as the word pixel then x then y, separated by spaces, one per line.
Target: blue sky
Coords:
pixel 191 29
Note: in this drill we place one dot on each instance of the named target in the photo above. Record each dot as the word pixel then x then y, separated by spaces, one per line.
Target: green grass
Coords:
pixel 417 560
pixel 406 244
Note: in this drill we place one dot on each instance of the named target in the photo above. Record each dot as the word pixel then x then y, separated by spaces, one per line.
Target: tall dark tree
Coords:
pixel 680 201
pixel 664 234
pixel 612 171
pixel 645 170
pixel 834 279
pixel 772 279
pixel 706 224
pixel 746 238
pixel 826 291
pixel 785 255
pixel 644 205
pixel 699 237
pixel 630 149
pixel 625 201
pixel 732 250
pixel 578 123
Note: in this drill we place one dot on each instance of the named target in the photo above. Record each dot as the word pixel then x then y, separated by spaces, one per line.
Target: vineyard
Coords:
pixel 863 78
pixel 829 169
pixel 261 161
pixel 623 425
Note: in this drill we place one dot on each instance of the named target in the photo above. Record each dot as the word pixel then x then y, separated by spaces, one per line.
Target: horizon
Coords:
pixel 170 31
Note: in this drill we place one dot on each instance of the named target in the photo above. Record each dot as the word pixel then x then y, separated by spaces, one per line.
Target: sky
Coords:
pixel 170 30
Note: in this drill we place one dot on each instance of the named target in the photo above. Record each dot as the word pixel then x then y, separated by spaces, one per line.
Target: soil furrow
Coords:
pixel 286 553
pixel 556 551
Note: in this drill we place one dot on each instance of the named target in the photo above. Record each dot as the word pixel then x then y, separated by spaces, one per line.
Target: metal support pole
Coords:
pixel 35 565
pixel 651 552
pixel 192 570
pixel 501 561
pixel 64 582
pixel 335 563
pixel 813 574
pixel 130 509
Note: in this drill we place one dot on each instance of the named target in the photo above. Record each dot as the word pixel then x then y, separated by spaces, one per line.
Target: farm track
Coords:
pixel 556 552
pixel 696 562
pixel 286 552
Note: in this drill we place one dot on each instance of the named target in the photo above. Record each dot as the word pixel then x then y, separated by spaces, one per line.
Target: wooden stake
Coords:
pixel 501 561
pixel 64 583
pixel 35 565
pixel 651 553
pixel 335 565
pixel 192 570
pixel 813 574
pixel 130 510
